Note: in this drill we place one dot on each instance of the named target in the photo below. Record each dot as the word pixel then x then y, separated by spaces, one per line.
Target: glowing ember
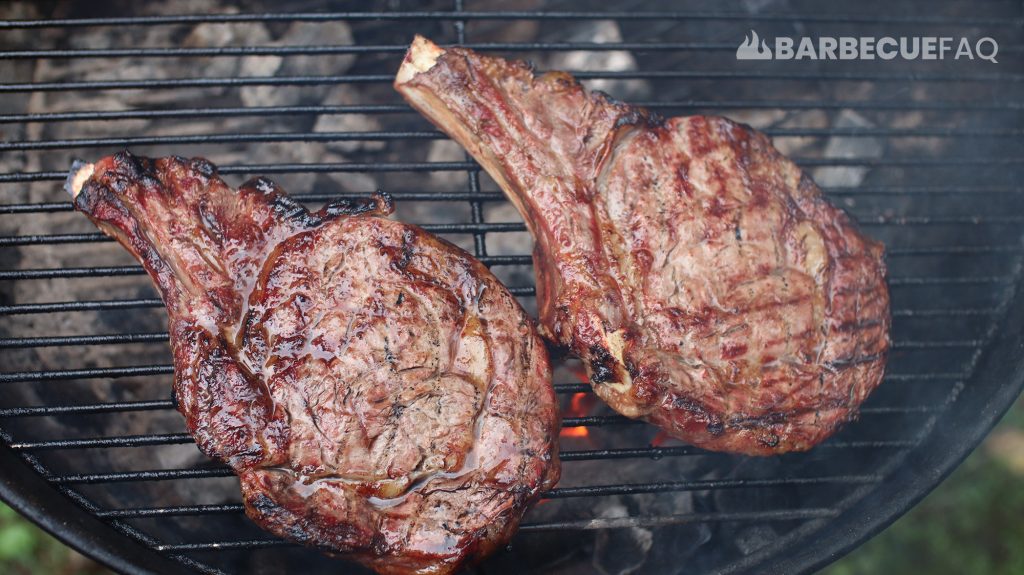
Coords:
pixel 574 432
pixel 579 371
pixel 578 407
pixel 660 439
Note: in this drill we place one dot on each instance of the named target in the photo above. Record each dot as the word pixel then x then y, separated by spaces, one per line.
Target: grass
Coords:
pixel 28 550
pixel 972 524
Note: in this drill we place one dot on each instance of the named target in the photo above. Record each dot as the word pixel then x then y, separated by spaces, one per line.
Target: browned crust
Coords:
pixel 761 334
pixel 233 266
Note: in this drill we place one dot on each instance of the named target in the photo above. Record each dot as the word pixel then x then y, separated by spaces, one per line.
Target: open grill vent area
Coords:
pixel 926 154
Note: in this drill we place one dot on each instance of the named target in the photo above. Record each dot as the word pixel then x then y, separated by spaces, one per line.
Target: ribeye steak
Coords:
pixel 378 392
pixel 705 281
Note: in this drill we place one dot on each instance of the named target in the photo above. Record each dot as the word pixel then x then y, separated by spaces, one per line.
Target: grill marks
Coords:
pixel 755 309
pixel 377 390
pixel 704 280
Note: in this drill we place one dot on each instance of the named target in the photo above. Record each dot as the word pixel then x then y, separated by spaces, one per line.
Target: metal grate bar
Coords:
pixel 630 522
pixel 498 227
pixel 46 207
pixel 51 273
pixel 177 83
pixel 904 377
pixel 515 290
pixel 119 338
pixel 486 227
pixel 944 312
pixel 75 306
pixel 93 442
pixel 72 306
pixel 133 371
pixel 884 161
pixel 225 545
pixel 108 115
pixel 170 511
pixel 336 49
pixel 583 524
pixel 90 373
pixel 918 19
pixel 159 337
pixel 656 453
pixel 601 420
pixel 127 406
pixel 572 387
pixel 113 115
pixel 160 404
pixel 54 273
pixel 947 280
pixel 221 139
pixel 160 369
pixel 955 250
pixel 39 208
pixel 483 227
pixel 598 420
pixel 282 169
pixel 922 190
pixel 899 410
pixel 869 220
pixel 937 344
pixel 698 485
pixel 583 491
pixel 346 167
pixel 123 476
pixel 475 227
pixel 303 197
pixel 429 135
pixel 94 408
pixel 585 455
pixel 950 132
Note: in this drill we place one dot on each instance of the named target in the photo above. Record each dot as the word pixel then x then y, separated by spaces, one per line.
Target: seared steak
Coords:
pixel 705 281
pixel 378 392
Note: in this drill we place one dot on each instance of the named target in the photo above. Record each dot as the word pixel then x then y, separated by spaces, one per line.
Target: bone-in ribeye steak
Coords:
pixel 378 392
pixel 705 281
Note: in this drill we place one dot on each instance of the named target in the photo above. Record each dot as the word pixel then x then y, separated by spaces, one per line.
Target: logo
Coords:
pixel 868 48
pixel 753 48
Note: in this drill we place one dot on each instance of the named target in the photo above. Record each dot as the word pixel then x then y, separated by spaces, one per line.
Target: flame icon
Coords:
pixel 753 48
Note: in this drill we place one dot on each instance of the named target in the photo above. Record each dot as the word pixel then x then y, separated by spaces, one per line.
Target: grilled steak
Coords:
pixel 705 281
pixel 378 392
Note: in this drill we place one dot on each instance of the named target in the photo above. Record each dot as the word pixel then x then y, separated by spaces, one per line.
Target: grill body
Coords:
pixel 925 154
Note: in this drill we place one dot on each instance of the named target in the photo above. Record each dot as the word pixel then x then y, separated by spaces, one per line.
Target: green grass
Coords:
pixel 972 524
pixel 28 550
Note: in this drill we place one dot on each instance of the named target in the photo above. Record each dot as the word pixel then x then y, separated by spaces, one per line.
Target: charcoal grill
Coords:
pixel 927 155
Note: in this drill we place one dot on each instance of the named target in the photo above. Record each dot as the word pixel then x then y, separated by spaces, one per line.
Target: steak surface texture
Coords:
pixel 705 281
pixel 378 392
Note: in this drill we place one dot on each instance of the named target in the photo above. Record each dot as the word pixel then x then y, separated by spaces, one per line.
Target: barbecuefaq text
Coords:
pixel 868 48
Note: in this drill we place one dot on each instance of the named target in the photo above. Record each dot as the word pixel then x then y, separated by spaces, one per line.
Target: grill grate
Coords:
pixel 927 155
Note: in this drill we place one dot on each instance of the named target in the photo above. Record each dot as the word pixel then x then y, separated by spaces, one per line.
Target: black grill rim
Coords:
pixel 25 490
pixel 994 382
